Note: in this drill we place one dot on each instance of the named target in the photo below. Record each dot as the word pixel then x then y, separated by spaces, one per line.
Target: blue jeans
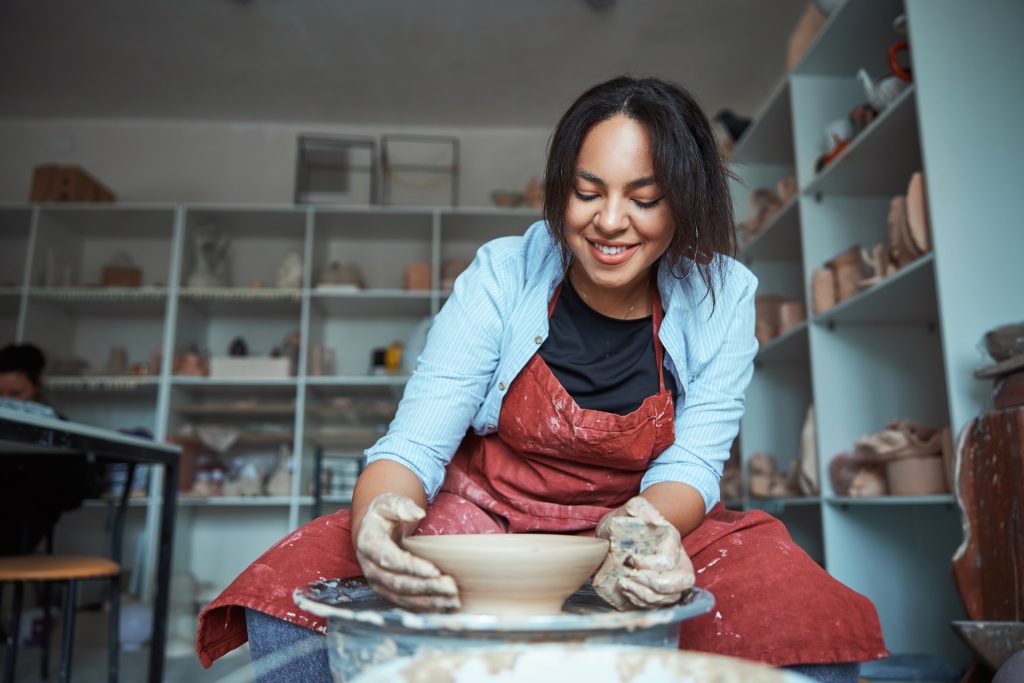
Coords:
pixel 285 653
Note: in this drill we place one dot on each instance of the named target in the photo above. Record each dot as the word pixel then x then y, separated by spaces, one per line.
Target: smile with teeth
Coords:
pixel 611 251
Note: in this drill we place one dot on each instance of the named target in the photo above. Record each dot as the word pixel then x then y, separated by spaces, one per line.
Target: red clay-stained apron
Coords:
pixel 555 467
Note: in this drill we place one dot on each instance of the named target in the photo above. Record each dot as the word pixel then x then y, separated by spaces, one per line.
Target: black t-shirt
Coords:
pixel 604 363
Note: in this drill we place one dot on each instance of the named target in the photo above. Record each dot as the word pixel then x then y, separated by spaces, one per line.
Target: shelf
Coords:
pixel 940 499
pixel 769 138
pixel 101 383
pixel 244 438
pixel 234 501
pixel 10 300
pixel 789 347
pixel 137 502
pixel 880 160
pixel 778 505
pixel 105 300
pixel 237 410
pixel 907 296
pixel 233 382
pixel 372 302
pixel 856 34
pixel 226 301
pixel 344 501
pixel 779 239
pixel 345 438
pixel 344 381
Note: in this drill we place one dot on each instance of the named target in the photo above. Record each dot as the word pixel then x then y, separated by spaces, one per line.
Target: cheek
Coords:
pixel 577 217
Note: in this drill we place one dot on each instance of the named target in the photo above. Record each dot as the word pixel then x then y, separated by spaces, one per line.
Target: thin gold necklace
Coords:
pixel 587 300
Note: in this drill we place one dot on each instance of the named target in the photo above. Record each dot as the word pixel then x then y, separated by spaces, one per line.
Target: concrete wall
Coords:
pixel 194 161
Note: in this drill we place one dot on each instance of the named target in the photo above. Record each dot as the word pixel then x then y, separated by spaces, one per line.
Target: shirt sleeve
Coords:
pixel 452 374
pixel 708 416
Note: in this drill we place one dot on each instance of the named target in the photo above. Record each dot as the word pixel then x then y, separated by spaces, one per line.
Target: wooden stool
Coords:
pixel 69 570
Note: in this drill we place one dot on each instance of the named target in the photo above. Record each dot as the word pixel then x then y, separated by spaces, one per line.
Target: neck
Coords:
pixel 625 303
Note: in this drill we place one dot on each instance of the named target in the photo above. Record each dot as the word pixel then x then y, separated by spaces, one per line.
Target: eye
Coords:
pixel 584 197
pixel 648 205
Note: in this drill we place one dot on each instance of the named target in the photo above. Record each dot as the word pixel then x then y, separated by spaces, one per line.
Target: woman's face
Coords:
pixel 18 386
pixel 617 223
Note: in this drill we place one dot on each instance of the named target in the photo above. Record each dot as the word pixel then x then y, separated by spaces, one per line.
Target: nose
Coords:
pixel 613 216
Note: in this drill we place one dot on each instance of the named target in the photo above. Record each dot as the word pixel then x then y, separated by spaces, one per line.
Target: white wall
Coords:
pixel 178 161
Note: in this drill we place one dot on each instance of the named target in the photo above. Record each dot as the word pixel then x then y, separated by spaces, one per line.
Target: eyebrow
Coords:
pixel 631 185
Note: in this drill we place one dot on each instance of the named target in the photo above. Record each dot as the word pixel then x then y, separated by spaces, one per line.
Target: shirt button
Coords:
pixel 491 428
pixel 537 340
pixel 501 386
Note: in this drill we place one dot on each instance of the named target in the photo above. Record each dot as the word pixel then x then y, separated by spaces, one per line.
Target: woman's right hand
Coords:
pixel 401 577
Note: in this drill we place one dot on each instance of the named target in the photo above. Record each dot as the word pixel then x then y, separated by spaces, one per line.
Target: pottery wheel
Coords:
pixel 352 600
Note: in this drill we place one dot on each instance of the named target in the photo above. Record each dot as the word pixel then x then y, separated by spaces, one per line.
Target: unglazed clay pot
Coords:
pixel 512 574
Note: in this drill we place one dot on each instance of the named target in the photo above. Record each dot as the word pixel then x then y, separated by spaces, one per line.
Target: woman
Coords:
pixel 21 372
pixel 32 491
pixel 599 362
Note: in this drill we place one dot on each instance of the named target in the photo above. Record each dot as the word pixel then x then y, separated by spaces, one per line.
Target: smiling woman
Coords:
pixel 580 380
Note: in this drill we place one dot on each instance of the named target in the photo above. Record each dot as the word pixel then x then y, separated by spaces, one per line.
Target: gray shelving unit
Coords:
pixel 218 537
pixel 907 346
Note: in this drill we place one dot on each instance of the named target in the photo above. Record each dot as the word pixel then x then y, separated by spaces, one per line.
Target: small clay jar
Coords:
pixel 417 276
pixel 823 289
pixel 766 309
pixel 791 314
pixel 849 271
pixel 848 278
pixel 786 188
pixel 916 476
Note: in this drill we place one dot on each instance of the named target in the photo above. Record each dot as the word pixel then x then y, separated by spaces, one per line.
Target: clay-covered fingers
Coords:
pixel 392 507
pixel 647 586
pixel 641 508
pixel 434 593
pixel 646 566
pixel 394 573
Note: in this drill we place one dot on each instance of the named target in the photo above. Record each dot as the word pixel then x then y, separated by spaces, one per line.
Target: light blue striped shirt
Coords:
pixel 496 319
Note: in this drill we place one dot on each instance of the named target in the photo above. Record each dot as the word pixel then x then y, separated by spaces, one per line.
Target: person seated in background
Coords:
pixel 32 491
pixel 21 372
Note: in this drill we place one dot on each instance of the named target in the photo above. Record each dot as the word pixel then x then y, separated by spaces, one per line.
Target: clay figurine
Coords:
pixel 238 347
pixel 246 482
pixel 289 273
pixel 209 260
pixel 884 92
pixel 117 361
pixel 339 276
pixel 280 482
pixel 534 194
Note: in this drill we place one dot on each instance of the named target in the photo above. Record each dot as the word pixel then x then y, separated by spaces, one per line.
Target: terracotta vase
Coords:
pixel 916 476
pixel 791 314
pixel 823 289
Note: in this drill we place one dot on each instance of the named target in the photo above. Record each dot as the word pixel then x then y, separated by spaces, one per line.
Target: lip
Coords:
pixel 611 259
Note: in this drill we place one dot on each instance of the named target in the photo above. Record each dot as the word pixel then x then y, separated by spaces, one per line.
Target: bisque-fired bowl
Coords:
pixel 512 574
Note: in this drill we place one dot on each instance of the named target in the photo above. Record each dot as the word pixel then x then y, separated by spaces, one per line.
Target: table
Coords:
pixel 24 434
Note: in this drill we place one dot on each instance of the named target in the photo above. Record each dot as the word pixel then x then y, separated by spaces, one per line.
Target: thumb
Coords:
pixel 399 508
pixel 641 508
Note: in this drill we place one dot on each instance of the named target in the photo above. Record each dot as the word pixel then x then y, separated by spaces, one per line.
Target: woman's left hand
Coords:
pixel 646 566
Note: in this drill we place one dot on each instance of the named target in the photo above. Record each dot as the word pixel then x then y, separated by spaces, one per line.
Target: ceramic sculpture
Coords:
pixel 210 267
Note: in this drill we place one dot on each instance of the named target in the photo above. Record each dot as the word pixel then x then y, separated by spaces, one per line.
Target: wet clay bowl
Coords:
pixel 512 574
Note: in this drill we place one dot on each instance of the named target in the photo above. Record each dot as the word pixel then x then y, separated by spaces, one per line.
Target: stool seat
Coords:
pixel 55 567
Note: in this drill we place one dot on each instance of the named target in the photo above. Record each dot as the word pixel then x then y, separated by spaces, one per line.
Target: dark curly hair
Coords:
pixel 23 358
pixel 688 166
